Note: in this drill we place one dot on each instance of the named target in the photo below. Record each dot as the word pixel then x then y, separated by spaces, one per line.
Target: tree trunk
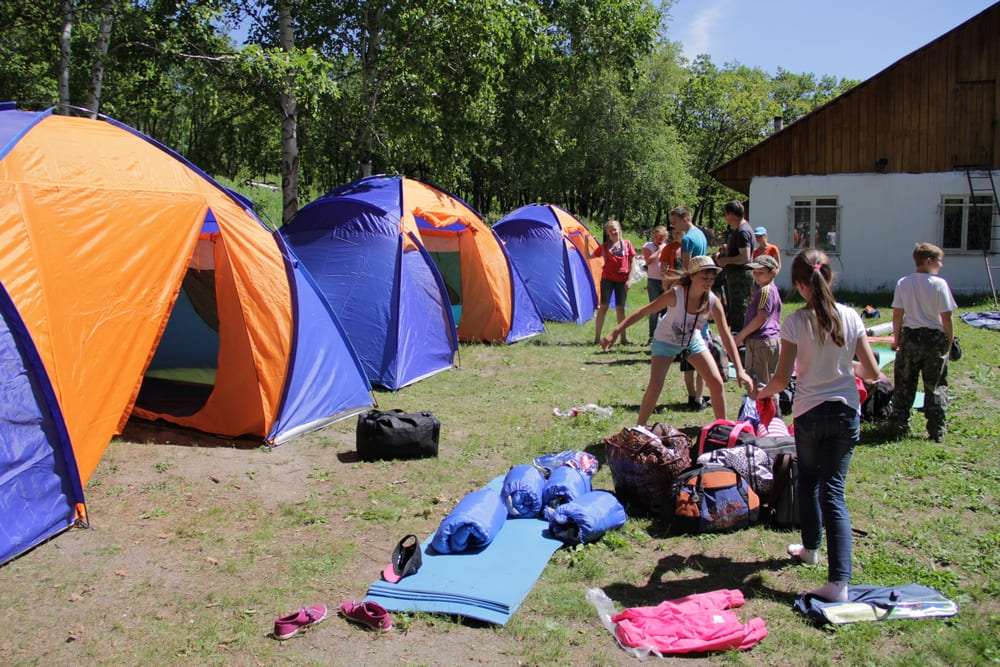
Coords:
pixel 97 71
pixel 371 54
pixel 64 52
pixel 289 123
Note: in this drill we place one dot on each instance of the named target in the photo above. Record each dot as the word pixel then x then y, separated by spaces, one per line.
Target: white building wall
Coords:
pixel 882 217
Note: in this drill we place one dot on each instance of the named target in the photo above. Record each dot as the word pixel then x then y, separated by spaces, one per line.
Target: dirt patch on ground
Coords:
pixel 199 543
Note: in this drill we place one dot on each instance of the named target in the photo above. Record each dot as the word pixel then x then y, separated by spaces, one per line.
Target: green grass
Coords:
pixel 197 549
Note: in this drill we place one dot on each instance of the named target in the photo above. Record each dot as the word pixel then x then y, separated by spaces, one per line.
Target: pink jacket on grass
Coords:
pixel 700 622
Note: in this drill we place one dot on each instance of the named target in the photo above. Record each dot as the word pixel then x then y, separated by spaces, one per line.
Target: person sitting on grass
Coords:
pixel 761 332
pixel 690 303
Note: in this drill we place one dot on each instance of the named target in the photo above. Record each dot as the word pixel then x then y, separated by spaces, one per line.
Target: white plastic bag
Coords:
pixel 605 610
pixel 638 273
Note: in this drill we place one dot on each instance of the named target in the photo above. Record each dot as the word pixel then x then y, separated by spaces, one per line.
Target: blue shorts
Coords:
pixel 620 290
pixel 661 349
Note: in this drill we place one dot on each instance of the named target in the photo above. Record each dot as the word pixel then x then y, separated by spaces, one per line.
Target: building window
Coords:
pixel 815 223
pixel 966 223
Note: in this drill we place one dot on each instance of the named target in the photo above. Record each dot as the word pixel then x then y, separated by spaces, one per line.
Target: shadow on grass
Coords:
pixel 703 574
pixel 877 434
pixel 631 361
pixel 160 432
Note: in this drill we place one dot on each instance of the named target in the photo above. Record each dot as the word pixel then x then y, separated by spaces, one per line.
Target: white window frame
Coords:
pixel 962 204
pixel 814 211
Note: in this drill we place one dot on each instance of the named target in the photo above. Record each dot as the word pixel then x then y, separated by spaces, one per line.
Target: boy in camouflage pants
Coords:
pixel 922 335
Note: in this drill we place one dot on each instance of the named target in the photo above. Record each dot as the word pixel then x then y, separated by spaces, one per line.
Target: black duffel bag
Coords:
pixel 394 434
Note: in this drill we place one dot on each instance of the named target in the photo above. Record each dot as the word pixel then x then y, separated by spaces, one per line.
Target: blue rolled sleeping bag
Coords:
pixel 522 491
pixel 475 521
pixel 565 483
pixel 586 518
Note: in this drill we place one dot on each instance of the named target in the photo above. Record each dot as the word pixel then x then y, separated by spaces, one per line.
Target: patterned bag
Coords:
pixel 644 464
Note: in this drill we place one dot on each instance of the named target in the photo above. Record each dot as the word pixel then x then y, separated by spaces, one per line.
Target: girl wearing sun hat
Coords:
pixel 689 302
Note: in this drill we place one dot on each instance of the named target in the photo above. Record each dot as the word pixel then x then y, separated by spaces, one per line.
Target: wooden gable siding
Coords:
pixel 935 110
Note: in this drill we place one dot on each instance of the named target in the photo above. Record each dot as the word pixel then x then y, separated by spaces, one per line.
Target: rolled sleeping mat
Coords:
pixel 475 521
pixel 565 483
pixel 586 518
pixel 522 489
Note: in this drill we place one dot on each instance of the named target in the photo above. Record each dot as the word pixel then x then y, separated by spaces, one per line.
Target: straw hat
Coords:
pixel 702 263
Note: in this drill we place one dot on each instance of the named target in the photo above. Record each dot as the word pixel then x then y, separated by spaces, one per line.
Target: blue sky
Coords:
pixel 853 39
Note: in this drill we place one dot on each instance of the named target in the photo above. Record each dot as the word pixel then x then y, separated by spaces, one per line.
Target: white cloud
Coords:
pixel 704 29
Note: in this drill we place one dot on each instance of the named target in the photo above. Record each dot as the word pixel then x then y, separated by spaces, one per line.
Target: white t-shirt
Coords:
pixel 923 297
pixel 678 327
pixel 653 264
pixel 825 371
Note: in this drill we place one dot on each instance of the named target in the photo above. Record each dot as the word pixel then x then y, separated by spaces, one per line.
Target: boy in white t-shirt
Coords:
pixel 922 336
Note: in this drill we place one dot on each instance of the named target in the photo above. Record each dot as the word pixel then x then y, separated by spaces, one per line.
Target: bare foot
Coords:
pixel 834 591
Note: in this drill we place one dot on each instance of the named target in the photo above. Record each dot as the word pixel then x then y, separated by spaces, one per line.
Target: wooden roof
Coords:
pixel 934 110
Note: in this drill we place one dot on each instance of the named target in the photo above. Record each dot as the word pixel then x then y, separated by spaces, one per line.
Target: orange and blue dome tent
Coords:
pixel 402 262
pixel 548 244
pixel 143 287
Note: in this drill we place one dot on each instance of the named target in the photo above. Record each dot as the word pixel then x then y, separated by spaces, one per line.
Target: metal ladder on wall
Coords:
pixel 982 186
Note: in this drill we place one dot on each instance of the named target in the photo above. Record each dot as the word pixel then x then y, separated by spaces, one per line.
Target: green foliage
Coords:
pixel 584 104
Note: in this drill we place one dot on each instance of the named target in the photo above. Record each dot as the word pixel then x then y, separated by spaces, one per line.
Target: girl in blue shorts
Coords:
pixel 679 334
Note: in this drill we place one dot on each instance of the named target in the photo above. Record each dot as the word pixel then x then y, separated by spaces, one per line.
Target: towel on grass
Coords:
pixel 877 603
pixel 984 319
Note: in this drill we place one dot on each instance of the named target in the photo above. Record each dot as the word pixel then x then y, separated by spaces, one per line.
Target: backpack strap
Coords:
pixel 738 428
pixel 782 464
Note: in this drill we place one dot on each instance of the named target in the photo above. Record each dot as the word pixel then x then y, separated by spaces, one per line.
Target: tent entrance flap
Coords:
pixel 449 264
pixel 182 372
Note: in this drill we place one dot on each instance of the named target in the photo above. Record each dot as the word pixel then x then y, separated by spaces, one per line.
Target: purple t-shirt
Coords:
pixel 767 299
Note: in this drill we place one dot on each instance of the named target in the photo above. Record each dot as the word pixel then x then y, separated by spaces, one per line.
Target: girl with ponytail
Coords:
pixel 820 341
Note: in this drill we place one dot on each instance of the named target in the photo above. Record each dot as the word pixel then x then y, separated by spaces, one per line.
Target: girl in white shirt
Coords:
pixel 821 340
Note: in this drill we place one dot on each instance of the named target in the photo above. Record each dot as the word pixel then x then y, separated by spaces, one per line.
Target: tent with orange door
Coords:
pixel 547 244
pixel 401 262
pixel 143 287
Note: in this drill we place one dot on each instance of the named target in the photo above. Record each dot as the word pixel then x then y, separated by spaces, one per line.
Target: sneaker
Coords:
pixel 371 614
pixel 898 430
pixel 706 402
pixel 694 403
pixel 288 626
pixel 936 437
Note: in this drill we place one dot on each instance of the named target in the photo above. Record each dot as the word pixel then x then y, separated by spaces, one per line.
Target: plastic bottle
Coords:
pixel 593 408
pixel 603 413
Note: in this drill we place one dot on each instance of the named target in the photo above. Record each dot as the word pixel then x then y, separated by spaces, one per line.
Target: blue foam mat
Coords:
pixel 488 584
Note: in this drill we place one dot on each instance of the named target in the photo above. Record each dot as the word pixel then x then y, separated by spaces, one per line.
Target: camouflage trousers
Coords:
pixel 923 353
pixel 738 285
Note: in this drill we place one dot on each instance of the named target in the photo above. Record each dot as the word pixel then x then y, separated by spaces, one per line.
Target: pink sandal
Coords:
pixel 371 614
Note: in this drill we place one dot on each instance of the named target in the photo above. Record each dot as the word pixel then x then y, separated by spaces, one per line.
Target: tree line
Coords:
pixel 584 103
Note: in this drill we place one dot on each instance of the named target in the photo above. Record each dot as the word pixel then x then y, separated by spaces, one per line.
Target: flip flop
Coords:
pixel 406 560
pixel 371 614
